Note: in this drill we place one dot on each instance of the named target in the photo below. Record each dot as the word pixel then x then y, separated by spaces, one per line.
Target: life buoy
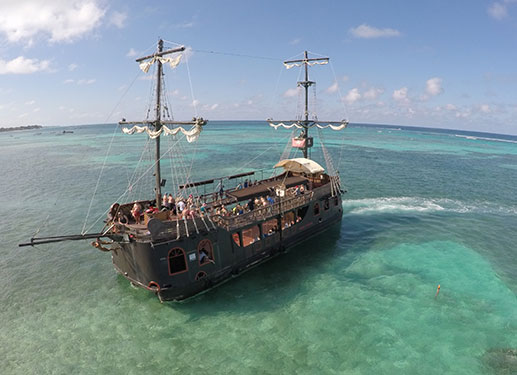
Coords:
pixel 153 285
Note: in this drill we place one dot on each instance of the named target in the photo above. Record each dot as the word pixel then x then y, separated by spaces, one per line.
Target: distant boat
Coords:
pixel 67 131
pixel 179 248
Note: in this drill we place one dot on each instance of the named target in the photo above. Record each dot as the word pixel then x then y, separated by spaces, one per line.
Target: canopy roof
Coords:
pixel 300 165
pixel 265 187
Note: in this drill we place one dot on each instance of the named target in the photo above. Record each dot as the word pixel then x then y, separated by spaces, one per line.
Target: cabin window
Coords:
pixel 269 227
pixel 177 261
pixel 236 239
pixel 250 235
pixel 200 275
pixel 316 209
pixel 326 204
pixel 288 220
pixel 301 213
pixel 205 252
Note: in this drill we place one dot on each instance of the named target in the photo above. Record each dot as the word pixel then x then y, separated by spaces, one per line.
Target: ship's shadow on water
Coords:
pixel 274 284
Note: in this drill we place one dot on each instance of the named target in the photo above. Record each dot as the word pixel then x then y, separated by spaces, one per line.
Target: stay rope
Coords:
pixel 107 152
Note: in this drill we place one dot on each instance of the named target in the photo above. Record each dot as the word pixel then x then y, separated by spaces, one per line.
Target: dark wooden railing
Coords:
pixel 262 213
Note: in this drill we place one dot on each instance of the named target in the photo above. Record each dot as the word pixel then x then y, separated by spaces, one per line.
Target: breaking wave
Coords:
pixel 485 138
pixel 424 205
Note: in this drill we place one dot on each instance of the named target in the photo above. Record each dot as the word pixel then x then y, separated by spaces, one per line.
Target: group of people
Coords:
pixel 190 208
pixel 247 183
pixel 183 208
pixel 252 204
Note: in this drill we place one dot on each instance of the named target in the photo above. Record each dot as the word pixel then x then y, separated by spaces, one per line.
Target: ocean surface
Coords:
pixel 424 207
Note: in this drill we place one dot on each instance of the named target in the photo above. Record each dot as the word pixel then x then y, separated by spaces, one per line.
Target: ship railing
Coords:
pixel 263 213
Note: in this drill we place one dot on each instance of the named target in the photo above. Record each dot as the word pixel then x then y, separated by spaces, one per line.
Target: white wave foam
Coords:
pixel 485 138
pixel 423 205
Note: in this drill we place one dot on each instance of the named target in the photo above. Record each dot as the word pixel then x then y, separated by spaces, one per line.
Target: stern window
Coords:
pixel 316 209
pixel 177 261
pixel 205 252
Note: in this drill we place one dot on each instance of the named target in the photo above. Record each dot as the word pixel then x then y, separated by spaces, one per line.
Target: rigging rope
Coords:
pixel 107 153
pixel 137 180
pixel 191 88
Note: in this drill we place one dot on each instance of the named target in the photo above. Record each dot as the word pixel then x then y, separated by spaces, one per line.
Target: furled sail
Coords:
pixel 172 61
pixel 310 63
pixel 191 135
pixel 343 125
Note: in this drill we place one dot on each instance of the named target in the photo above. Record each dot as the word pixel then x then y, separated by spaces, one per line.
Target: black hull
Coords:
pixel 148 264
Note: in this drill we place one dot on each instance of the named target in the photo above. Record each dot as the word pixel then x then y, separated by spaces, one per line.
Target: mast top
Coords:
pixel 160 53
pixel 306 60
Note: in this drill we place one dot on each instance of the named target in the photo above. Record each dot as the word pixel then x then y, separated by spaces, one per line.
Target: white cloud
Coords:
pixel 131 53
pixel 400 95
pixel 86 81
pixel 498 11
pixel 72 67
pixel 118 19
pixel 36 109
pixel 57 20
pixel 21 65
pixel 333 88
pixel 185 25
pixel 450 107
pixel 485 108
pixel 30 102
pixel 67 81
pixel 214 106
pixel 372 93
pixel 295 41
pixel 291 92
pixel 369 32
pixel 195 102
pixel 434 86
pixel 353 96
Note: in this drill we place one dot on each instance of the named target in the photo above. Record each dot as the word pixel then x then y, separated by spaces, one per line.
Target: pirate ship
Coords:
pixel 179 246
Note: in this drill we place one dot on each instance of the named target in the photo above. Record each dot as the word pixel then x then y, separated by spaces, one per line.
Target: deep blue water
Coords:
pixel 424 207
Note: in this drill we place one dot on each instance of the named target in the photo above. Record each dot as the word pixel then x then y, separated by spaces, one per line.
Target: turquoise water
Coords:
pixel 424 207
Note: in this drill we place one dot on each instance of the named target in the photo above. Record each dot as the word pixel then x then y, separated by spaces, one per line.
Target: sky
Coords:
pixel 441 64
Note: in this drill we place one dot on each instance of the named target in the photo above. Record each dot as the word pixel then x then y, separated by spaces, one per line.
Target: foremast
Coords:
pixel 157 124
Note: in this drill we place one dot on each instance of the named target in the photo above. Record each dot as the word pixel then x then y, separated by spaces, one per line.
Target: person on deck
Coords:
pixel 180 206
pixel 221 191
pixel 121 218
pixel 136 212
pixel 246 183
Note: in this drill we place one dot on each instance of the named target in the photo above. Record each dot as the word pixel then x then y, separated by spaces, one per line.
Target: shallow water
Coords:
pixel 423 208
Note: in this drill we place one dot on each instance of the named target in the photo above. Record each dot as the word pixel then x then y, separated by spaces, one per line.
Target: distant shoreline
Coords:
pixel 27 127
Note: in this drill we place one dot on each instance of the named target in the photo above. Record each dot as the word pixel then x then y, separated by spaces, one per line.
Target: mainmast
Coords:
pixel 157 122
pixel 306 123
